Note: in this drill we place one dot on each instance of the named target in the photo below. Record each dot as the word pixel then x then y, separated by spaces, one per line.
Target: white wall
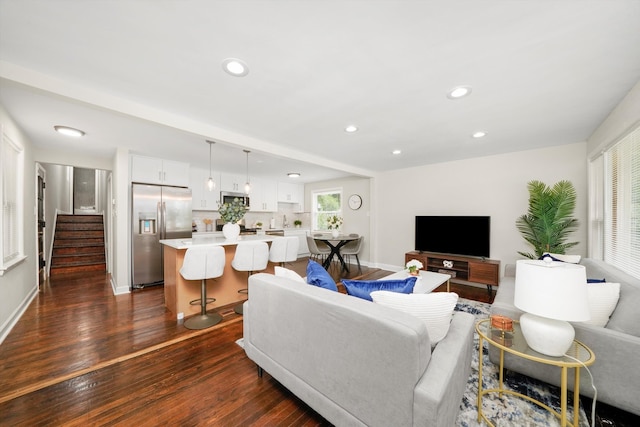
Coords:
pixel 19 285
pixel 621 120
pixel 493 185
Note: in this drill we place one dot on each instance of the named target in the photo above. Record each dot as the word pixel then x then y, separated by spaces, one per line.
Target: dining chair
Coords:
pixel 317 249
pixel 202 263
pixel 353 248
pixel 249 257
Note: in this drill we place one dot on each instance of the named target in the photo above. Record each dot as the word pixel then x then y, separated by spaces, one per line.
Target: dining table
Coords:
pixel 335 243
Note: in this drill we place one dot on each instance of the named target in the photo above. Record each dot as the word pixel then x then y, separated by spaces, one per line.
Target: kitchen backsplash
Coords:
pixel 284 209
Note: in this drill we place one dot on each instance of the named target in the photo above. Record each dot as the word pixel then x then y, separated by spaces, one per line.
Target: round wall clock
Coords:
pixel 355 201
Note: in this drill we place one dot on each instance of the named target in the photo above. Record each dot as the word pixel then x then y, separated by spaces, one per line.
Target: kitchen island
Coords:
pixel 178 291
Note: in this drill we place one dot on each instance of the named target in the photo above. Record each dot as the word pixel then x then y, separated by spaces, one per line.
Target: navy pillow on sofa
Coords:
pixel 363 288
pixel 318 276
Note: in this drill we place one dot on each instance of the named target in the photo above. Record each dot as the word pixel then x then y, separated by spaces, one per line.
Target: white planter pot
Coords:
pixel 231 231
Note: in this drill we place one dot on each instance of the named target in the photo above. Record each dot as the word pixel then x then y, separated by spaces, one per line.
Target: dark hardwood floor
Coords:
pixel 82 356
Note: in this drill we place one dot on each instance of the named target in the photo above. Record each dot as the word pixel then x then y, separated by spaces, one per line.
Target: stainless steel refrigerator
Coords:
pixel 158 213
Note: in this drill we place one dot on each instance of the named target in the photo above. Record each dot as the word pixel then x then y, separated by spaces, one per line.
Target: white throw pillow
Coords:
pixel 603 298
pixel 435 309
pixel 572 259
pixel 289 274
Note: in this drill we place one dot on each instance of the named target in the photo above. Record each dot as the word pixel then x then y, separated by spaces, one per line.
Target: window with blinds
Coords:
pixel 622 204
pixel 12 173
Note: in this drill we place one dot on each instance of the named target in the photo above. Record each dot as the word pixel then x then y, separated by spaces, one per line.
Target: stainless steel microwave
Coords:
pixel 228 196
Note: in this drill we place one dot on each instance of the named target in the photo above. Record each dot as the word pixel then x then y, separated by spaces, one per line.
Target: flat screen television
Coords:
pixel 456 235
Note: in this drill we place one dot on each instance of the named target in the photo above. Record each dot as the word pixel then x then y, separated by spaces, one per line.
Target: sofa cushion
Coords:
pixel 602 298
pixel 363 288
pixel 289 274
pixel 318 276
pixel 573 259
pixel 435 309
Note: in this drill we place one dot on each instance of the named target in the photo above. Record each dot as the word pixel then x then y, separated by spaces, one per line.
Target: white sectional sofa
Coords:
pixel 355 362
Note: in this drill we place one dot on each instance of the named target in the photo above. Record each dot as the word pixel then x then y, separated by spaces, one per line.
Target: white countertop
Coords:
pixel 213 240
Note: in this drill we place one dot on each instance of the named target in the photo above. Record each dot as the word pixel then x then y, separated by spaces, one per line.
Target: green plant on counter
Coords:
pixel 232 212
pixel 297 223
pixel 548 222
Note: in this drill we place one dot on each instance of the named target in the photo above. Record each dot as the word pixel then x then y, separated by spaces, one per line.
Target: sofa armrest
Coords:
pixel 439 392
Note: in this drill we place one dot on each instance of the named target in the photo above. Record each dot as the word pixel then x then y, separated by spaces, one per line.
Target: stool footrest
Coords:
pixel 198 301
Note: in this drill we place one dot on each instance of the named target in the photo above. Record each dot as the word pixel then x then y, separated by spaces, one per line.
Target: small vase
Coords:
pixel 414 273
pixel 335 233
pixel 231 231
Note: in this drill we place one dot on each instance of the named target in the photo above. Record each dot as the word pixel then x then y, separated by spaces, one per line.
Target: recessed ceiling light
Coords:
pixel 235 67
pixel 293 174
pixel 351 129
pixel 479 134
pixel 459 92
pixel 396 152
pixel 66 130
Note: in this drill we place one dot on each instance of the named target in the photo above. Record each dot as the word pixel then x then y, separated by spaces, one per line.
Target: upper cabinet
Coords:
pixel 291 193
pixel 202 198
pixel 232 182
pixel 263 196
pixel 151 170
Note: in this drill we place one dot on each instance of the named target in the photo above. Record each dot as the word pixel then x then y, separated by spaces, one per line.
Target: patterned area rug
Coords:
pixel 506 410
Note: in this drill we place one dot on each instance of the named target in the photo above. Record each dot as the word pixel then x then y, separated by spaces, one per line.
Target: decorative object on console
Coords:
pixel 548 222
pixel 447 264
pixel 414 266
pixel 551 294
pixel 231 213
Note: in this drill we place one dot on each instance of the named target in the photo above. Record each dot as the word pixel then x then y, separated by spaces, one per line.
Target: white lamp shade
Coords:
pixel 555 290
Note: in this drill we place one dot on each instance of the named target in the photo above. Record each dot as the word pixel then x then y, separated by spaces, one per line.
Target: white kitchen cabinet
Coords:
pixel 202 198
pixel 301 233
pixel 232 182
pixel 264 196
pixel 151 170
pixel 291 193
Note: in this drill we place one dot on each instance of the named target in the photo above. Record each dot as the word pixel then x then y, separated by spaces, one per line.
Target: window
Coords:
pixel 325 204
pixel 622 204
pixel 12 162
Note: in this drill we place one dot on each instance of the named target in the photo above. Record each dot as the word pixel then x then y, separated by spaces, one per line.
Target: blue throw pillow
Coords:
pixel 318 276
pixel 363 288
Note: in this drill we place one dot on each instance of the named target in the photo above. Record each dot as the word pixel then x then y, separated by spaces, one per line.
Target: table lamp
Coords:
pixel 551 294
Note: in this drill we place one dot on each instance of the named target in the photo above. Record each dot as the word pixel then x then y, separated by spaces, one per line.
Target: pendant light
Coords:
pixel 211 184
pixel 247 185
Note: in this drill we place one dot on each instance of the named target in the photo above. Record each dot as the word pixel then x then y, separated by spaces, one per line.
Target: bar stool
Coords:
pixel 202 263
pixel 250 257
pixel 284 249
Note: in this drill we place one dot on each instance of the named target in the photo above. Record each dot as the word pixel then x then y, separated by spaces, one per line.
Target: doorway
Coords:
pixel 41 223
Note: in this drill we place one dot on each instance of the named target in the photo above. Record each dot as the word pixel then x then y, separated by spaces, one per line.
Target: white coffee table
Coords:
pixel 427 281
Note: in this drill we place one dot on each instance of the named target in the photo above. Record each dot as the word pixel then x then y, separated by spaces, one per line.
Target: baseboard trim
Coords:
pixel 17 314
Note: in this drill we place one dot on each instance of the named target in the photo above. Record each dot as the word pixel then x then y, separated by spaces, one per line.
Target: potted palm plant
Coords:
pixel 549 220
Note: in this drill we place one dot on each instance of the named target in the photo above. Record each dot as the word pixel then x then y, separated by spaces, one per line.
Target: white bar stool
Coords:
pixel 202 263
pixel 250 257
pixel 284 249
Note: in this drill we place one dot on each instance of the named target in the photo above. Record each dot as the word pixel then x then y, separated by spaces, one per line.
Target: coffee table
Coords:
pixel 427 281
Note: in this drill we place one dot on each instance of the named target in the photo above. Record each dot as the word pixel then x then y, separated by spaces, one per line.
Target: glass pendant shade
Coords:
pixel 211 184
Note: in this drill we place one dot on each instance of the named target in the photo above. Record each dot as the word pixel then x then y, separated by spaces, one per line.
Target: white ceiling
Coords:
pixel 147 75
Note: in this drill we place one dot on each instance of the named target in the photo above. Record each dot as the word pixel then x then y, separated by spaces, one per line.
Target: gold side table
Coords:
pixel 513 342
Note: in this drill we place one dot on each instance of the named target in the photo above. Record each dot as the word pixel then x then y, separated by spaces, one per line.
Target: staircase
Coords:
pixel 78 244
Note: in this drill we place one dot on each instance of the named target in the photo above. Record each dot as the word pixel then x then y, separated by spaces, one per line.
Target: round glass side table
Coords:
pixel 512 341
